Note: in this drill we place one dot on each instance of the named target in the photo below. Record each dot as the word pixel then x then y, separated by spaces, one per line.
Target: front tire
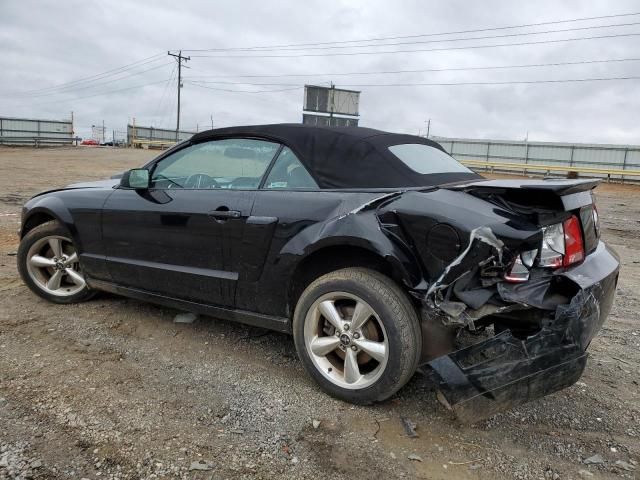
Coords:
pixel 48 263
pixel 357 334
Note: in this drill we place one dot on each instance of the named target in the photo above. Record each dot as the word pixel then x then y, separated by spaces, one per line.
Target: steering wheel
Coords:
pixel 200 180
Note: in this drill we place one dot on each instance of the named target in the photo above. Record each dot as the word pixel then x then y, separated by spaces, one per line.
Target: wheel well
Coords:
pixel 329 259
pixel 34 220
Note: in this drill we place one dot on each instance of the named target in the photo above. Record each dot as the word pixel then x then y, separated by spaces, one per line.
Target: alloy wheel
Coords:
pixel 346 340
pixel 53 265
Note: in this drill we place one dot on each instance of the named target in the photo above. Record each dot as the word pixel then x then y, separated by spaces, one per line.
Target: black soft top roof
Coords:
pixel 344 157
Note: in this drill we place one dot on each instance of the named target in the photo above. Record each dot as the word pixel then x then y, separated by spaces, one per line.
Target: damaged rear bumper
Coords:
pixel 504 371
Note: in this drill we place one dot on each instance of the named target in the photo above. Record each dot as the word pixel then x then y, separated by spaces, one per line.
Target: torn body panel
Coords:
pixel 505 370
pixel 542 327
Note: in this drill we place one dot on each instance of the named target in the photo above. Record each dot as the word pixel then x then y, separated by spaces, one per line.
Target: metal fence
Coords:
pixel 34 132
pixel 577 155
pixel 119 137
pixel 142 135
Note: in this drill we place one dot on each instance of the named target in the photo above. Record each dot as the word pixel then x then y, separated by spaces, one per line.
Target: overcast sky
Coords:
pixel 46 44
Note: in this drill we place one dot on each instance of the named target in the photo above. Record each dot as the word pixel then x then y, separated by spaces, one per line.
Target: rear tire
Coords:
pixel 48 263
pixel 357 334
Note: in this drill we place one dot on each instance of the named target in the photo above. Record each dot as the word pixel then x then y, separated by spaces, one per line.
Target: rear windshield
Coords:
pixel 425 159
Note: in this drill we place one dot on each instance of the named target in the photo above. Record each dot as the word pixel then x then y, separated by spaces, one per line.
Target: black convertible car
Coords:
pixel 379 252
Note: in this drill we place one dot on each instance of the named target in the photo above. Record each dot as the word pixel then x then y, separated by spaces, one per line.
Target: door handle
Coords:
pixel 225 214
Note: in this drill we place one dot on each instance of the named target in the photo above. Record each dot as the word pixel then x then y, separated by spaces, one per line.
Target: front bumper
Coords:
pixel 504 371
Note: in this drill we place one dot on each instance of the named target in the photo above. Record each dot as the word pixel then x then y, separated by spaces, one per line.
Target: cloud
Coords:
pixel 47 43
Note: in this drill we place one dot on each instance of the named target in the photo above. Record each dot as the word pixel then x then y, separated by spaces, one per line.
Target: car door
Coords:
pixel 181 237
pixel 288 202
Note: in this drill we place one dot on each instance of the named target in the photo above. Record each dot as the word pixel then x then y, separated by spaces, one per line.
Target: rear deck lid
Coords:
pixel 543 202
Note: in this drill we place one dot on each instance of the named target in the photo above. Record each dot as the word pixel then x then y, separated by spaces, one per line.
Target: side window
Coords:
pixel 236 163
pixel 289 173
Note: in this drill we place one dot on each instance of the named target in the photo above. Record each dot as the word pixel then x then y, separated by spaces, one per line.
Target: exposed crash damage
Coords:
pixel 438 296
pixel 517 365
pixel 530 333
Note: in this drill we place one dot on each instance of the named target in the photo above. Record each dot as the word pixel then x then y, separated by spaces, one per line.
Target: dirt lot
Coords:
pixel 114 389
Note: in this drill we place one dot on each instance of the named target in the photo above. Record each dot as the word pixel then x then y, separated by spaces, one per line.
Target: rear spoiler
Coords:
pixel 559 187
pixel 542 201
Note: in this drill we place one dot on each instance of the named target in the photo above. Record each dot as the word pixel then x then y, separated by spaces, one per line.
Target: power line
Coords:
pixel 171 106
pixel 420 84
pixel 297 87
pixel 463 39
pixel 402 37
pixel 68 90
pixel 255 96
pixel 465 47
pixel 165 90
pixel 509 82
pixel 426 70
pixel 97 94
pixel 97 76
pixel 158 110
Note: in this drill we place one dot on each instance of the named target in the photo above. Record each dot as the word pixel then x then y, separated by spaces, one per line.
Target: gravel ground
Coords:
pixel 113 389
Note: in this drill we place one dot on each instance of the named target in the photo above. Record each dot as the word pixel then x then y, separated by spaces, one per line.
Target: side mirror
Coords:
pixel 137 178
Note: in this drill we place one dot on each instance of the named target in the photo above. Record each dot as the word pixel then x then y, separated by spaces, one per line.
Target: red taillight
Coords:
pixel 573 243
pixel 562 246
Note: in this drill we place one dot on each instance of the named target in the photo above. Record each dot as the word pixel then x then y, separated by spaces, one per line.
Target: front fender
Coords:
pixel 47 206
pixel 80 211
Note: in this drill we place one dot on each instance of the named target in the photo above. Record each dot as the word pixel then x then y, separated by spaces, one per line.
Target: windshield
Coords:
pixel 425 159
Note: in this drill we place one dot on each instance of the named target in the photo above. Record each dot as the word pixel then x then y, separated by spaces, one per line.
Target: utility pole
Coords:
pixel 211 122
pixel 179 58
pixel 428 127
pixel 103 134
pixel 73 130
pixel 332 95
